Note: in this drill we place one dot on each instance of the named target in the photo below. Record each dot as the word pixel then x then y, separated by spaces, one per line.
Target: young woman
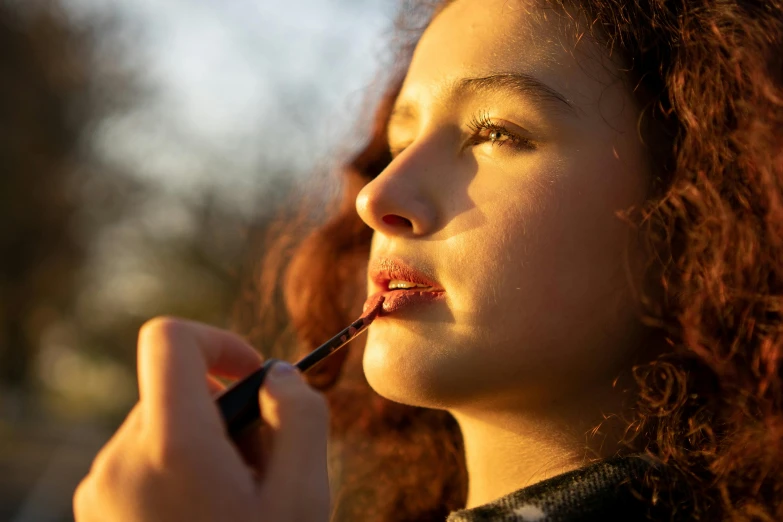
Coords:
pixel 574 210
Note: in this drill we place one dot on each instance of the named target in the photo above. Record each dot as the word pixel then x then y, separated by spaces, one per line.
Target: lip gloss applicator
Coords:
pixel 238 404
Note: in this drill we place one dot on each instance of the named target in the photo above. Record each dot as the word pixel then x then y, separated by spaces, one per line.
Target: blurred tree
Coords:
pixel 84 240
pixel 48 101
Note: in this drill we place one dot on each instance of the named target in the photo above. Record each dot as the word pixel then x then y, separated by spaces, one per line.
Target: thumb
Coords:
pixel 297 419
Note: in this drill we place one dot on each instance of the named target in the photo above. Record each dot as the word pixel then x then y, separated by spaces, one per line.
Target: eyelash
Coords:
pixel 482 122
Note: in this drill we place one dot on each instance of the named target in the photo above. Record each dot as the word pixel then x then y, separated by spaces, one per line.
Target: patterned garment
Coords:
pixel 600 492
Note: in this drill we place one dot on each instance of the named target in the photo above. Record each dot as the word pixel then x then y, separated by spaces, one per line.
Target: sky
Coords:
pixel 239 86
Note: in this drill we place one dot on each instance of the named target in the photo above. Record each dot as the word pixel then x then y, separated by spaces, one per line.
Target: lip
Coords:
pixel 383 270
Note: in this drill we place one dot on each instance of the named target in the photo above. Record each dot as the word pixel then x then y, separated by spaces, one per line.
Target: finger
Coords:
pixel 215 386
pixel 85 502
pixel 298 420
pixel 88 500
pixel 174 357
pixel 128 430
pixel 254 446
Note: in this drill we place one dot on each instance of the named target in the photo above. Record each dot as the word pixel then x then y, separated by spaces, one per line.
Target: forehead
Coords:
pixel 477 38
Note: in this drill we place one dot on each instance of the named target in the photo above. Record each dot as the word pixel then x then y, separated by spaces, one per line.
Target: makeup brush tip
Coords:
pixel 372 308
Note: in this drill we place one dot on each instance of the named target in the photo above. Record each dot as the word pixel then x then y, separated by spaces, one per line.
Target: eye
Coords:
pixel 485 129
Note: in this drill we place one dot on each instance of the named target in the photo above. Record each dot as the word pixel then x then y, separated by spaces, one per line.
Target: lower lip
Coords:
pixel 396 300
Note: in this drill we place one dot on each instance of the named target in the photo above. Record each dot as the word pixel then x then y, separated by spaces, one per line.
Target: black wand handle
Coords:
pixel 239 403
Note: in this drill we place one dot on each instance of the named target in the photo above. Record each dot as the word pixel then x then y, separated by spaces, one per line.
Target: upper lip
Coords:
pixel 383 270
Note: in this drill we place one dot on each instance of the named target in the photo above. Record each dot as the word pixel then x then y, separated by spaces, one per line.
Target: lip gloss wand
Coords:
pixel 238 404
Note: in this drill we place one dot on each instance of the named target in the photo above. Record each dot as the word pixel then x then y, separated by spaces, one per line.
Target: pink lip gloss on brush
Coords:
pixel 239 403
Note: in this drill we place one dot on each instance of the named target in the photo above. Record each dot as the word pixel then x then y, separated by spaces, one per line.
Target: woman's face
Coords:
pixel 515 143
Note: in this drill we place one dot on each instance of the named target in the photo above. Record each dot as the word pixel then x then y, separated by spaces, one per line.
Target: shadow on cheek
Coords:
pixel 460 211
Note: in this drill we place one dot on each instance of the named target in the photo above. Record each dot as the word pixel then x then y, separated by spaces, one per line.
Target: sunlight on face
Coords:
pixel 514 147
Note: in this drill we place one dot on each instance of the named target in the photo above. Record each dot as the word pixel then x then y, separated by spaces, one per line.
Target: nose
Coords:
pixel 400 201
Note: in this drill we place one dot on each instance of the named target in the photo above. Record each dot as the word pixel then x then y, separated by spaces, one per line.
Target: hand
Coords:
pixel 171 460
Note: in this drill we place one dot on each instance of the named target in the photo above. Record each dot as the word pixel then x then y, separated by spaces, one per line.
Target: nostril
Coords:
pixel 395 220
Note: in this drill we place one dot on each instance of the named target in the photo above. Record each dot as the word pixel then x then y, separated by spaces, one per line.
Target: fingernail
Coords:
pixel 282 370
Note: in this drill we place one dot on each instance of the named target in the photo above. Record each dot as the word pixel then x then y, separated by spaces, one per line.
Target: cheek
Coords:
pixel 550 269
pixel 517 219
pixel 563 235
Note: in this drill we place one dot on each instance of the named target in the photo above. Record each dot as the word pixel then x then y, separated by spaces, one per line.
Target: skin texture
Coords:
pixel 537 320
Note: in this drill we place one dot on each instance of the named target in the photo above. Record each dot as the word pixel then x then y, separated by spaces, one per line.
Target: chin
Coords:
pixel 413 371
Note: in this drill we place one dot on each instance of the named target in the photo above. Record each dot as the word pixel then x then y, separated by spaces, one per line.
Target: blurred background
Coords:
pixel 146 148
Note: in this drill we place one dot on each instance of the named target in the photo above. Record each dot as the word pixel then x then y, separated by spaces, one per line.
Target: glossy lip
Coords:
pixel 396 300
pixel 383 270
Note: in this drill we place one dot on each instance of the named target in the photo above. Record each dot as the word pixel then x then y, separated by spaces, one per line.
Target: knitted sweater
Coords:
pixel 606 491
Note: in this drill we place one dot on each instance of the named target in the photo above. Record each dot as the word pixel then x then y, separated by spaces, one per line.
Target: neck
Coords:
pixel 508 448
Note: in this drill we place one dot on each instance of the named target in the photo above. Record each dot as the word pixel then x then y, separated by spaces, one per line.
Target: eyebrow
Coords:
pixel 520 83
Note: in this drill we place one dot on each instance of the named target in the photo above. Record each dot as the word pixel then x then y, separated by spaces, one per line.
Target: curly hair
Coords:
pixel 707 78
